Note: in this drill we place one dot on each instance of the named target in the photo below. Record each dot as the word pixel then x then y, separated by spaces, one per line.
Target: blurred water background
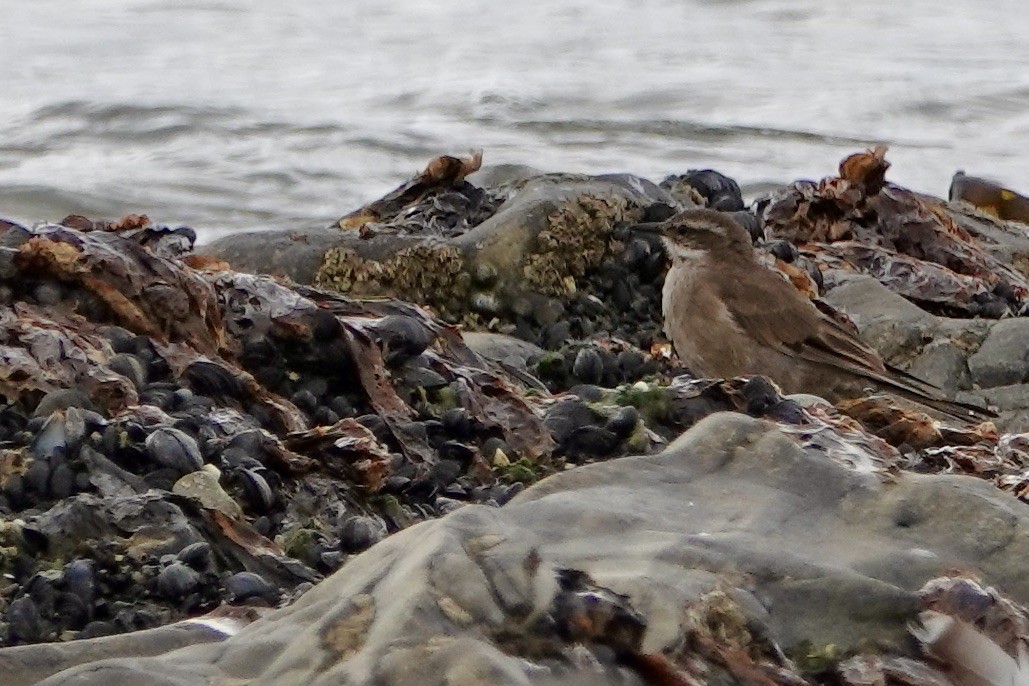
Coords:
pixel 245 114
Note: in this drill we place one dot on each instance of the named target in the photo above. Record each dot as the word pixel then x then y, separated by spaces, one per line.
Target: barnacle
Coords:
pixel 577 238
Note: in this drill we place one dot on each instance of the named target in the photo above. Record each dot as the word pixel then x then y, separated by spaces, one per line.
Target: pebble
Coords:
pixel 48 294
pixel 257 492
pixel 623 422
pixel 360 532
pixel 176 581
pixel 198 556
pixel 130 367
pixel 248 586
pixel 25 625
pixel 62 399
pixel 403 337
pixel 588 367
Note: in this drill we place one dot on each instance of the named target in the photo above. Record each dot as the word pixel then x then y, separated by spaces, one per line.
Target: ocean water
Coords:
pixel 229 114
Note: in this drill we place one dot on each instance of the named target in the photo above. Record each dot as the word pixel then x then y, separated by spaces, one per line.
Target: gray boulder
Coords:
pixel 1003 358
pixel 812 552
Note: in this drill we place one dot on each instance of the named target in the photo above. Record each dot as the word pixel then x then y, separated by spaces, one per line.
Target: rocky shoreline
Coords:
pixel 446 437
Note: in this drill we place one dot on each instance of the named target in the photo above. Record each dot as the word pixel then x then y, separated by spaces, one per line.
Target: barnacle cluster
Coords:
pixel 431 273
pixel 577 238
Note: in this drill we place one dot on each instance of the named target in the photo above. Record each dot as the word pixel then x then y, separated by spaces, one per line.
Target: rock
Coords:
pixel 502 348
pixel 33 663
pixel 24 620
pixel 942 363
pixel 888 322
pixel 361 532
pixel 568 416
pixel 718 190
pixel 258 493
pixel 832 556
pixel 1007 241
pixel 203 485
pixel 1012 402
pixel 497 175
pixel 175 449
pixel 1003 358
pixel 246 586
pixel 62 400
pixel 285 253
pixel 131 368
pixel 176 581
pixel 261 377
pixel 402 337
pixel 588 367
pixel 197 555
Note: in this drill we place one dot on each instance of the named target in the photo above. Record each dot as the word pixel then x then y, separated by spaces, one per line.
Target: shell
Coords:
pixel 257 491
pixel 176 581
pixel 174 449
pixel 245 586
pixel 197 555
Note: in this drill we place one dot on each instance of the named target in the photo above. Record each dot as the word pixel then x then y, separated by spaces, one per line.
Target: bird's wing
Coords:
pixel 769 311
pixel 774 313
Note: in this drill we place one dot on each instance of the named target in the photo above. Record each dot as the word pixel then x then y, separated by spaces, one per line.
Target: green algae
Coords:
pixel 654 402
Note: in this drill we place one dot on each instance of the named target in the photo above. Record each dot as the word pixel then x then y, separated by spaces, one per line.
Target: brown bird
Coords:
pixel 728 315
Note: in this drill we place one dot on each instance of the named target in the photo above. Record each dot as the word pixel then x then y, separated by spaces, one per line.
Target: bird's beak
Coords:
pixel 649 227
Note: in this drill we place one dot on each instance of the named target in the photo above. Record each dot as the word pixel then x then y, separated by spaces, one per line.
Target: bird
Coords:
pixel 728 315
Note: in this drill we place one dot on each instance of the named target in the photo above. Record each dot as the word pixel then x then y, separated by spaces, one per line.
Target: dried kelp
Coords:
pixel 907 241
pixel 436 202
pixel 265 412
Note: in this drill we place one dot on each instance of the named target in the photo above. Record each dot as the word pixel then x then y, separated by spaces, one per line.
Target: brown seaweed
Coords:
pixel 909 242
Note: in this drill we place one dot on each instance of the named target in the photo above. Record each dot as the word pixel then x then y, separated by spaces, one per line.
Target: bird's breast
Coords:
pixel 701 327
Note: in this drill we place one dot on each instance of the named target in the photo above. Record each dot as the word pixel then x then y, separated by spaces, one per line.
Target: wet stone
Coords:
pixel 244 587
pixel 197 555
pixel 61 400
pixel 588 367
pixel 25 625
pixel 1003 358
pixel 174 449
pixel 360 532
pixel 176 581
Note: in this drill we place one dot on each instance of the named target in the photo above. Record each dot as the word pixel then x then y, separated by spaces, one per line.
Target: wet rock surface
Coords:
pixel 625 570
pixel 180 437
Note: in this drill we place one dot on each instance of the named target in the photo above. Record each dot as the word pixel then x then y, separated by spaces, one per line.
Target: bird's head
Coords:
pixel 693 234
